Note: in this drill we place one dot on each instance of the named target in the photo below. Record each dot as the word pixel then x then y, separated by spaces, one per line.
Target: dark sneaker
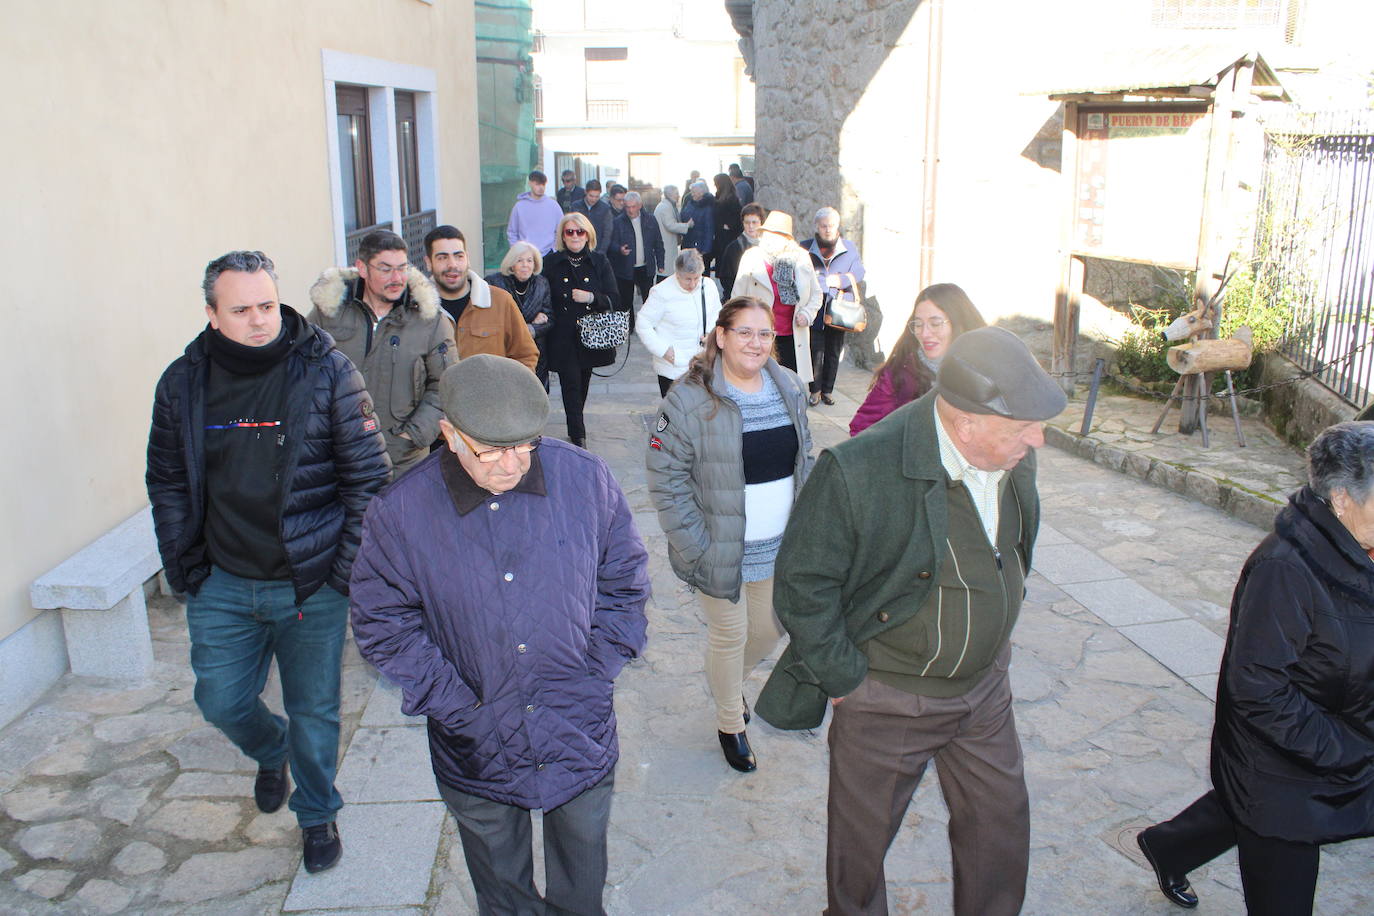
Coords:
pixel 322 846
pixel 269 791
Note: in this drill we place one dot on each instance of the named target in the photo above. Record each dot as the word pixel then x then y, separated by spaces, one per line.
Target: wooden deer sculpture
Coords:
pixel 1199 356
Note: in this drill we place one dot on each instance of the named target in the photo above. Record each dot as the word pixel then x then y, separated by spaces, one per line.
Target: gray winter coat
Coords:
pixel 695 462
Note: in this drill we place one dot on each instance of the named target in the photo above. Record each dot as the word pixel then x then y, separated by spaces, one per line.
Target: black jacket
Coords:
pixel 726 223
pixel 564 343
pixel 332 466
pixel 1293 747
pixel 623 233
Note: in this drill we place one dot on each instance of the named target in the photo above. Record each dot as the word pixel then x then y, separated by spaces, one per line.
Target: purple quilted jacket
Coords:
pixel 506 623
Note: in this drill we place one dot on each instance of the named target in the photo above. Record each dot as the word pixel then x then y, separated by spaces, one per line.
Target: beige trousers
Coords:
pixel 739 635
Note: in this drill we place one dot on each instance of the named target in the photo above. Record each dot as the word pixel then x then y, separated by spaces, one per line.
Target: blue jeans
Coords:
pixel 237 625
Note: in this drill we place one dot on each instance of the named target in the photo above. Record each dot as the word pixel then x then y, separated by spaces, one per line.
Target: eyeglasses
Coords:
pixel 386 271
pixel 935 324
pixel 573 232
pixel 748 334
pixel 493 455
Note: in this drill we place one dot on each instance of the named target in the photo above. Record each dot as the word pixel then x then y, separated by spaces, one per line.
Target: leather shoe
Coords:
pixel 322 847
pixel 827 399
pixel 269 789
pixel 1174 887
pixel 814 398
pixel 737 752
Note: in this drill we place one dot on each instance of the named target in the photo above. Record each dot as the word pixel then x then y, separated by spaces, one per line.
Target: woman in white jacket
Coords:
pixel 675 319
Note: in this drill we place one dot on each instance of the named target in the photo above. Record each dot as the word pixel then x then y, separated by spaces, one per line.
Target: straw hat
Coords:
pixel 780 223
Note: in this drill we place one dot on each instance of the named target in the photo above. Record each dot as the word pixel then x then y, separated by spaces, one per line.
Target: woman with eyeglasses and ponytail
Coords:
pixel 581 282
pixel 942 313
pixel 729 452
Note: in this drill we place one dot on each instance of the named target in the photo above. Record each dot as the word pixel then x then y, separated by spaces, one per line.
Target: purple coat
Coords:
pixel 886 395
pixel 505 618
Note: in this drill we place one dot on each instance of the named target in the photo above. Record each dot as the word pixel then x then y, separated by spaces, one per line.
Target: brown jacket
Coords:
pixel 492 323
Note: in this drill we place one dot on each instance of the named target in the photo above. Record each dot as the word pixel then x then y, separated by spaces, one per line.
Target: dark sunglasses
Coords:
pixel 574 232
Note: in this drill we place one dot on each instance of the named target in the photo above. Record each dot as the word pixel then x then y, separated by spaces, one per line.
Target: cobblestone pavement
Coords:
pixel 118 798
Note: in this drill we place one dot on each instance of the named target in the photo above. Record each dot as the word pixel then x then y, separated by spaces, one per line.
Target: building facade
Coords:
pixel 157 135
pixel 936 138
pixel 640 95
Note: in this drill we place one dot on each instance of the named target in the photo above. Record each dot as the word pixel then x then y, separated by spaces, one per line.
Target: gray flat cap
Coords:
pixel 494 400
pixel 990 371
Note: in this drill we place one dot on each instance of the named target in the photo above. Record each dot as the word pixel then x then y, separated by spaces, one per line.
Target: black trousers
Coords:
pixel 1279 876
pixel 643 280
pixel 574 383
pixel 786 346
pixel 827 345
pixel 500 857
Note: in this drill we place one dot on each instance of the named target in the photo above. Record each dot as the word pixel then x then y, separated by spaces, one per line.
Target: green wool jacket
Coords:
pixel 861 552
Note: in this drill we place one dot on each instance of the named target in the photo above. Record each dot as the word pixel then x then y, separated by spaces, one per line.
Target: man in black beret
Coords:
pixel 900 577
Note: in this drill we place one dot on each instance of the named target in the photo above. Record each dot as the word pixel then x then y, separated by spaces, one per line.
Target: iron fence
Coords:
pixel 1315 244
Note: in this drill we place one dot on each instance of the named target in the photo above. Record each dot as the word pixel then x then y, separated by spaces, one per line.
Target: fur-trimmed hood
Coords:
pixel 334 288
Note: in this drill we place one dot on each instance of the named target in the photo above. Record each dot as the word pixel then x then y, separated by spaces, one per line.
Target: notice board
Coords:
pixel 1140 184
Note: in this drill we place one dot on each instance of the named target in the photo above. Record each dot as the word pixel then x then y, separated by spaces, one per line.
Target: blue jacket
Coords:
pixel 335 461
pixel 702 233
pixel 505 618
pixel 845 260
pixel 623 233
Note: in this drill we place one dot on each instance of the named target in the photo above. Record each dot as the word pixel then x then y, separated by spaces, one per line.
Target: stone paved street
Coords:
pixel 118 797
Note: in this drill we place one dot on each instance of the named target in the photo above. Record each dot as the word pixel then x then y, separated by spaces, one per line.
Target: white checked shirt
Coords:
pixel 982 486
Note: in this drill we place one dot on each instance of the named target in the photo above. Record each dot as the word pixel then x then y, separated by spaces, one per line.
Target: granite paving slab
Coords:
pixel 388 856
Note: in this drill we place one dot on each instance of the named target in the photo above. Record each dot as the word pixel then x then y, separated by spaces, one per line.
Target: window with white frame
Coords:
pixel 383 150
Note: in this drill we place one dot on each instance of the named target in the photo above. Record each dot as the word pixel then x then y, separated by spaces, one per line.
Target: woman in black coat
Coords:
pixel 580 282
pixel 1293 745
pixel 520 276
pixel 725 219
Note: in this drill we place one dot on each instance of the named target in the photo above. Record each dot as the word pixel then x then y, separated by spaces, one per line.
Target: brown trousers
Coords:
pixel 881 739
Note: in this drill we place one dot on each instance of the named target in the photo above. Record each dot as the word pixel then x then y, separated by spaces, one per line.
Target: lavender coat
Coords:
pixel 504 619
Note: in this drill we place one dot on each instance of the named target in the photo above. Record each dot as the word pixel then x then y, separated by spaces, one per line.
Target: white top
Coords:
pixel 672 317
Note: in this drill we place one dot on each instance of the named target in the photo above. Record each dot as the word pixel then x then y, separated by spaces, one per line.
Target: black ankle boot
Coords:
pixel 737 752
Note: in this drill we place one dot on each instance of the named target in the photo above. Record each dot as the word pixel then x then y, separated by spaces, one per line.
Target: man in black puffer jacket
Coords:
pixel 263 456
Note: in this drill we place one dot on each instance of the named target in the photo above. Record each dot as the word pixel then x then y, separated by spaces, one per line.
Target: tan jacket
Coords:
pixel 492 323
pixel 401 357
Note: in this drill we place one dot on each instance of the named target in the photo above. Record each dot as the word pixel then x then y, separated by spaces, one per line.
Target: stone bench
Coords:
pixel 100 593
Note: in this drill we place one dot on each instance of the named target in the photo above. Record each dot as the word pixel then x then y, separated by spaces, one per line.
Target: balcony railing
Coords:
pixel 414 228
pixel 604 111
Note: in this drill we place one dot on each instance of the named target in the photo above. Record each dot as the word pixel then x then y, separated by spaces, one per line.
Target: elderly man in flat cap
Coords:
pixel 501 584
pixel 899 579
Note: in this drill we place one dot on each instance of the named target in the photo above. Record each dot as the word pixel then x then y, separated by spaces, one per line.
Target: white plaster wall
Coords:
pixel 144 138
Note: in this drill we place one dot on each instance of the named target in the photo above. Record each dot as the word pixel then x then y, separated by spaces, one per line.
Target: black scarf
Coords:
pixel 244 360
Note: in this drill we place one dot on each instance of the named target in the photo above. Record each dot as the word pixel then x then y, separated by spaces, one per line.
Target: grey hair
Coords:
pixel 513 254
pixel 693 186
pixel 1342 458
pixel 248 262
pixel 632 197
pixel 689 262
pixel 824 212
pixel 670 190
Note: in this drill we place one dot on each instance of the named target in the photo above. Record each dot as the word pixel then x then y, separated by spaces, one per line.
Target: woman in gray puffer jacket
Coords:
pixel 730 451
